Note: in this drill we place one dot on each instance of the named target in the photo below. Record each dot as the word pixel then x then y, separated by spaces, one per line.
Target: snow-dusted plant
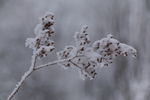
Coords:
pixel 84 55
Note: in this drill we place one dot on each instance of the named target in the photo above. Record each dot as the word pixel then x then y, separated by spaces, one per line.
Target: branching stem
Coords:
pixel 30 71
pixel 24 77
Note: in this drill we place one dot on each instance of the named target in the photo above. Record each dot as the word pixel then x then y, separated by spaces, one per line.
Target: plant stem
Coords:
pixel 30 71
pixel 24 77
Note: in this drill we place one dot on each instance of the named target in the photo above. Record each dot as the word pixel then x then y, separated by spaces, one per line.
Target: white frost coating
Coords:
pixel 93 56
pixel 83 56
pixel 86 57
pixel 38 29
pixel 42 43
pixel 101 54
pixel 127 50
pixel 30 42
pixel 43 51
pixel 82 60
pixel 109 48
pixel 68 52
pixel 23 78
pixel 81 38
pixel 49 14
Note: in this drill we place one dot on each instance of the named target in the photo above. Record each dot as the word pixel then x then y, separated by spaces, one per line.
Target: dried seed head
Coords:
pixel 68 52
pixel 109 48
pixel 42 44
pixel 100 54
pixel 82 38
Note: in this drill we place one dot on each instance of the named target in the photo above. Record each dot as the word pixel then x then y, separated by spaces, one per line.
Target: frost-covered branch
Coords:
pixel 53 63
pixel 41 45
pixel 84 55
pixel 23 78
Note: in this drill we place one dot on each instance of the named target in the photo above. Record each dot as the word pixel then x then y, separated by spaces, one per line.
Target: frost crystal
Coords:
pixel 100 54
pixel 42 43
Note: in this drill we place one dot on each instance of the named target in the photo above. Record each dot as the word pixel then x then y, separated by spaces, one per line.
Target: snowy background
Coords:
pixel 126 79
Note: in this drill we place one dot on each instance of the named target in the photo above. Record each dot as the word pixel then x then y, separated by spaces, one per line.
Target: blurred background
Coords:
pixel 126 79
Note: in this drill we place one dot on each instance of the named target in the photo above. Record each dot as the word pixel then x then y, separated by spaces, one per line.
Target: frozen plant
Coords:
pixel 42 43
pixel 84 55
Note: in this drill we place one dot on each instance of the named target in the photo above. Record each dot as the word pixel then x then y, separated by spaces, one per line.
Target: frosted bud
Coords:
pixel 109 48
pixel 42 43
pixel 88 71
pixel 43 51
pixel 68 52
pixel 48 18
pixel 82 37
pixel 109 36
pixel 45 25
pixel 86 66
pixel 126 50
pixel 84 29
pixel 49 15
pixel 106 45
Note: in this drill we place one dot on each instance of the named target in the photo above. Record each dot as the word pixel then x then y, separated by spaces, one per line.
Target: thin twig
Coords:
pixel 31 70
pixel 75 64
pixel 24 77
pixel 51 63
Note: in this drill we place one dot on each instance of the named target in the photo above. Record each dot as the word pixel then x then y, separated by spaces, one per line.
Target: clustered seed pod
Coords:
pixel 109 48
pixel 42 43
pixel 87 67
pixel 82 39
pixel 83 56
pixel 87 58
pixel 68 52
pixel 81 60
